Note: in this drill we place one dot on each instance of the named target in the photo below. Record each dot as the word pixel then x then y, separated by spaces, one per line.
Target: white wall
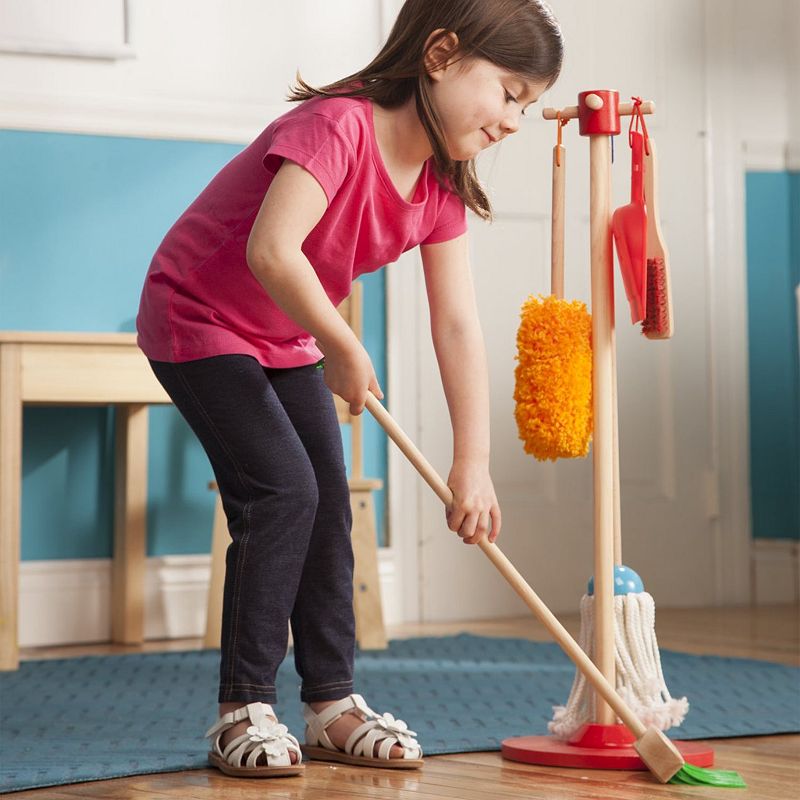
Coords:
pixel 722 75
pixel 200 70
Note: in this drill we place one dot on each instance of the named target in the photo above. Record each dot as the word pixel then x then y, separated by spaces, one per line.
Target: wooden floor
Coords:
pixel 769 764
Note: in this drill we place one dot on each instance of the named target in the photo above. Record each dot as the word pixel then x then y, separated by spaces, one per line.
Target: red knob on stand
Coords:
pixel 598 112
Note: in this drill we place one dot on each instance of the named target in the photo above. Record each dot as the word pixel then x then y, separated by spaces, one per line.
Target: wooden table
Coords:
pixel 78 369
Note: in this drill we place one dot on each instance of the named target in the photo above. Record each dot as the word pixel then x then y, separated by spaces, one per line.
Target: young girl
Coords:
pixel 239 308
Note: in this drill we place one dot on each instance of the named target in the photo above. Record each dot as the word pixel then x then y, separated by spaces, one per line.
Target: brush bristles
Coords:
pixel 700 776
pixel 656 322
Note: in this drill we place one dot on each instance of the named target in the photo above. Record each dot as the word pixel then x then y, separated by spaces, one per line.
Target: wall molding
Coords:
pixel 404 488
pixel 89 50
pixel 140 117
pixel 773 155
pixel 725 259
pixel 110 41
pixel 793 155
pixel 775 571
pixel 176 592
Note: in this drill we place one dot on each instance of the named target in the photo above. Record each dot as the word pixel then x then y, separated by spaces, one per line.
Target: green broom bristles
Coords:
pixel 700 776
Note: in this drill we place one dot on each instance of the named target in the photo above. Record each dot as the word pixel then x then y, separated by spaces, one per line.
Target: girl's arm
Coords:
pixel 292 206
pixel 461 354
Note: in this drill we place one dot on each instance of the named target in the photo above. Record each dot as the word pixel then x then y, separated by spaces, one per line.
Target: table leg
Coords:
pixel 130 524
pixel 10 495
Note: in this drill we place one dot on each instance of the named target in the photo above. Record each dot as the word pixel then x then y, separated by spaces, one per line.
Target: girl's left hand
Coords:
pixel 474 512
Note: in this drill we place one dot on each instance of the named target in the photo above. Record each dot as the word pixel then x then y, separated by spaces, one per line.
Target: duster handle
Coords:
pixel 510 573
pixel 557 228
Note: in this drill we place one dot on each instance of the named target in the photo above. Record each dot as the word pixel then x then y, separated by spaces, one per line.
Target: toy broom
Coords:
pixel 654 748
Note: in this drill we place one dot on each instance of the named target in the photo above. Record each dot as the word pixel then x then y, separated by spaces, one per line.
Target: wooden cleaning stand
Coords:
pixel 603 743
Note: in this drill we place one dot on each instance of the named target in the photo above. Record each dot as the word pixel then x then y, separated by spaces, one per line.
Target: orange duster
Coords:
pixel 553 390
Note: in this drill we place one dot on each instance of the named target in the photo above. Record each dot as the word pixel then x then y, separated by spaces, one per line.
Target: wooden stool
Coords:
pixel 370 631
pixel 367 606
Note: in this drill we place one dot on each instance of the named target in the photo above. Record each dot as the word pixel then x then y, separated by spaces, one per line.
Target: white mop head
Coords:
pixel 639 678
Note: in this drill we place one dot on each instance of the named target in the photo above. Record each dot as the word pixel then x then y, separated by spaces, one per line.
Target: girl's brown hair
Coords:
pixel 521 36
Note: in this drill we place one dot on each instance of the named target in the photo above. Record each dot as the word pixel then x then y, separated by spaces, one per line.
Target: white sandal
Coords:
pixel 266 736
pixel 359 748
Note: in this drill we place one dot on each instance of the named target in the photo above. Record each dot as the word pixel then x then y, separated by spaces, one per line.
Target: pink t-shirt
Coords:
pixel 200 298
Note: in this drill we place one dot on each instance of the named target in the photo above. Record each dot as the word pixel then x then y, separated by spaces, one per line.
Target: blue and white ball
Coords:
pixel 626 581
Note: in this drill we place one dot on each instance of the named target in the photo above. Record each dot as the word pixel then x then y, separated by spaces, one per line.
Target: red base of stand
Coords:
pixel 594 747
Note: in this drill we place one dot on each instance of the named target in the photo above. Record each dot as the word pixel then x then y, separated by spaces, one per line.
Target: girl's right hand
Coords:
pixel 350 374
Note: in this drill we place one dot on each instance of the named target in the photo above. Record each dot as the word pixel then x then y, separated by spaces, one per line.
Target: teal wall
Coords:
pixel 773 272
pixel 80 217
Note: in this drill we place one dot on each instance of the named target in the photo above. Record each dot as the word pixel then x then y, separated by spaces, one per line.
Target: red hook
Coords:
pixel 561 124
pixel 638 117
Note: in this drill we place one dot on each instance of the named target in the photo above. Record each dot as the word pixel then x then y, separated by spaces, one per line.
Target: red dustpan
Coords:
pixel 629 226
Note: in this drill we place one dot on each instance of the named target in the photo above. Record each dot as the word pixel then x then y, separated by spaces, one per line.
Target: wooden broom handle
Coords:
pixel 509 572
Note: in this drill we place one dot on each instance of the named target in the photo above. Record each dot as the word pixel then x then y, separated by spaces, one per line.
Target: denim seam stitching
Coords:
pixel 327 685
pixel 251 685
pixel 237 583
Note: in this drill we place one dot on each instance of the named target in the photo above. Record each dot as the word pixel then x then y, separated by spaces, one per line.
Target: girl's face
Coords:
pixel 479 103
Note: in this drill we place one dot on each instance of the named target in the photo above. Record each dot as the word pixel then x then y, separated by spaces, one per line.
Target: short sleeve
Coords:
pixel 318 144
pixel 450 222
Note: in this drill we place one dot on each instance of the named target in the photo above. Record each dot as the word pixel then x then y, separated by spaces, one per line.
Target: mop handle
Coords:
pixel 510 573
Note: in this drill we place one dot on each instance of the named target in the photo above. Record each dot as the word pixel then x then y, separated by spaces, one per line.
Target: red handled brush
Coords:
pixel 629 226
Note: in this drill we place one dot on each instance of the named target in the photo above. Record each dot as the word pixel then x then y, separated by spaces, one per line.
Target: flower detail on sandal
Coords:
pixel 271 735
pixel 397 728
pixel 368 745
pixel 265 740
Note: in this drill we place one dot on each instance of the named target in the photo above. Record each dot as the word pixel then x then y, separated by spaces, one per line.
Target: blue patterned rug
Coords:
pixel 98 717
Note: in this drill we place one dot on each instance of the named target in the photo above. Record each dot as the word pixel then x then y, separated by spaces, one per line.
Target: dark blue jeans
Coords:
pixel 276 450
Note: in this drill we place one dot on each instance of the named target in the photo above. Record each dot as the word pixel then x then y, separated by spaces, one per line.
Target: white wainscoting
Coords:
pixel 775 572
pixel 69 601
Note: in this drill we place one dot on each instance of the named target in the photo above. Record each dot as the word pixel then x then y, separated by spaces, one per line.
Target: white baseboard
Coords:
pixel 69 601
pixel 775 571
